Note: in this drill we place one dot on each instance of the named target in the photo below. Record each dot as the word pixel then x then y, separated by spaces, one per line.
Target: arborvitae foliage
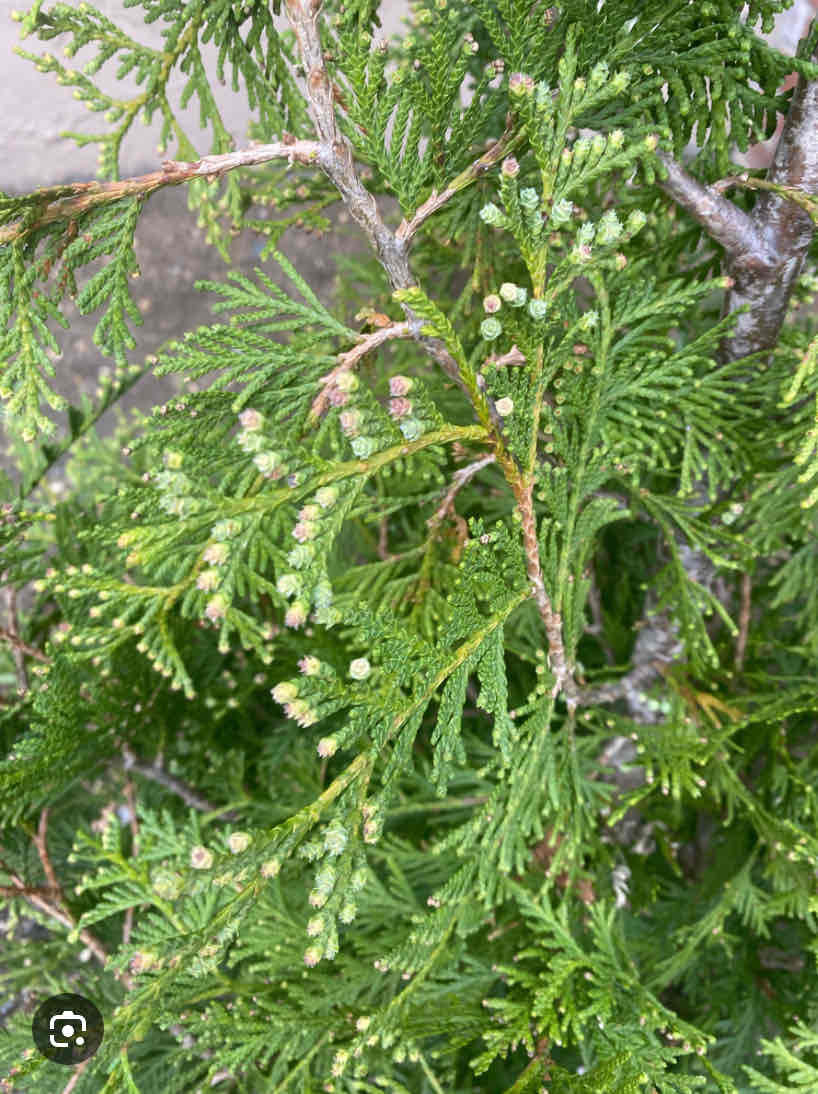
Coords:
pixel 334 753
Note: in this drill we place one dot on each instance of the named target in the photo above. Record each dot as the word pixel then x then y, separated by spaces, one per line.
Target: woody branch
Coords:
pixel 764 254
pixel 67 202
pixel 392 250
pixel 336 160
pixel 56 909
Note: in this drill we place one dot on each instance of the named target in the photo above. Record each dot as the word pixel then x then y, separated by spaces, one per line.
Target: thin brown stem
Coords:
pixel 744 620
pixel 158 775
pixel 75 1078
pixel 11 635
pixel 513 357
pixel 57 910
pixel 564 679
pixel 42 850
pixel 435 201
pixel 7 634
pixel 130 798
pixel 383 540
pixel 349 359
pixel 499 931
pixel 70 201
pixel 460 478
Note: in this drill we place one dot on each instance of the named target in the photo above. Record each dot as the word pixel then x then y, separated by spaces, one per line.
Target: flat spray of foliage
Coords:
pixel 423 701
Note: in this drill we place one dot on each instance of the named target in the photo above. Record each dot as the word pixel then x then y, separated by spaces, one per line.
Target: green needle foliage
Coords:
pixel 331 755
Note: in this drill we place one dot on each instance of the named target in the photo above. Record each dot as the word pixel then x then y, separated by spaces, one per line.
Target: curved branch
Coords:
pixel 765 253
pixel 67 202
pixel 724 222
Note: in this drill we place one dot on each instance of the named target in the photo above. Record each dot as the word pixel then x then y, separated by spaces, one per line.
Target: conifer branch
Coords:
pixel 506 143
pixel 788 228
pixel 766 248
pixel 523 492
pixel 336 160
pixel 67 202
pixel 728 225
pixel 349 359
pixel 765 253
pixel 158 775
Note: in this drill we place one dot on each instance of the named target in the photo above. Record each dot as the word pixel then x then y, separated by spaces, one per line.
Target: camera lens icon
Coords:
pixel 71 1026
pixel 67 1029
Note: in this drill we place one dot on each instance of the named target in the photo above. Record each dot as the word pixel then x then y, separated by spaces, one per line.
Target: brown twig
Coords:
pixel 728 225
pixel 564 680
pixel 42 851
pixel 335 159
pixel 75 1078
pixel 459 480
pixel 69 202
pixel 499 931
pixel 11 635
pixel 158 775
pixel 505 144
pixel 27 890
pixel 766 247
pixel 130 798
pixel 446 507
pixel 544 853
pixel 383 540
pixel 513 357
pixel 349 359
pixel 57 910
pixel 744 620
pixel 788 229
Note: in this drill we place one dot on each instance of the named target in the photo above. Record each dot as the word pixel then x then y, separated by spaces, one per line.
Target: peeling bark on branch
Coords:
pixel 764 255
pixel 786 228
pixel 66 202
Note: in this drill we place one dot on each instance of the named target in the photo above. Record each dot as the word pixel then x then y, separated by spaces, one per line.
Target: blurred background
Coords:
pixel 171 250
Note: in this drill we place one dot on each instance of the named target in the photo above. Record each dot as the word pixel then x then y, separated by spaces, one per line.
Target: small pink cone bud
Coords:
pixel 251 419
pixel 400 385
pixel 296 615
pixel 201 858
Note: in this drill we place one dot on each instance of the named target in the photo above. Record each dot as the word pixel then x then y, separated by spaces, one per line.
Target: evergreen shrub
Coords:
pixel 425 700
